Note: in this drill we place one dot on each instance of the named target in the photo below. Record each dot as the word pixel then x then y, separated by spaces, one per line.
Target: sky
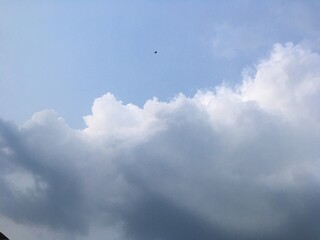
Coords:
pixel 216 136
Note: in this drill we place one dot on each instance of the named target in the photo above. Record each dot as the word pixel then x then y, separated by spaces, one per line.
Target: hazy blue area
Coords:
pixel 63 54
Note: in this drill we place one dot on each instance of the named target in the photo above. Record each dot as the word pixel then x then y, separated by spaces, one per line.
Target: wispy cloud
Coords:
pixel 234 163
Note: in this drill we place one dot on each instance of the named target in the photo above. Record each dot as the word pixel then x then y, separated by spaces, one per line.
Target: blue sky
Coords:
pixel 214 137
pixel 61 55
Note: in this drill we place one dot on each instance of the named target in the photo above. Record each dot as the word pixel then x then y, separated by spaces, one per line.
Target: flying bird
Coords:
pixel 155 52
pixel 3 237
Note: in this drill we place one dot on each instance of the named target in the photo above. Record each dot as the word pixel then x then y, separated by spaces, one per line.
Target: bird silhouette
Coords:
pixel 155 51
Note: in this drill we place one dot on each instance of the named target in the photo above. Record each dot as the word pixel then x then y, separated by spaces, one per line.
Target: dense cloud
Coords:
pixel 234 163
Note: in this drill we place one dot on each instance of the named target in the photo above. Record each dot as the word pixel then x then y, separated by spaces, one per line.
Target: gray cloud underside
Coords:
pixel 234 163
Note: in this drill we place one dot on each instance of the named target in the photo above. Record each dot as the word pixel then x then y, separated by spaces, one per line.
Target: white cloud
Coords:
pixel 234 163
pixel 113 120
pixel 287 83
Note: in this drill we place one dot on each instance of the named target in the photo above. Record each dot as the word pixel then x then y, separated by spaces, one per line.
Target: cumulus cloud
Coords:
pixel 239 162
